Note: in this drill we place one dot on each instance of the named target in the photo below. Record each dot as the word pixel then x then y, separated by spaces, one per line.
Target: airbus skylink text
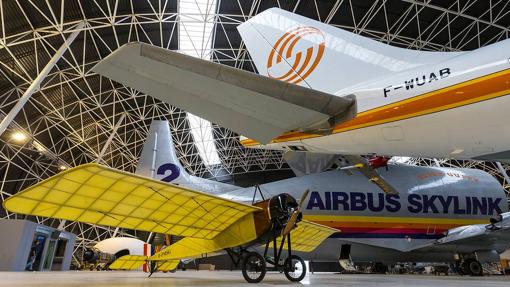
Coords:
pixel 416 203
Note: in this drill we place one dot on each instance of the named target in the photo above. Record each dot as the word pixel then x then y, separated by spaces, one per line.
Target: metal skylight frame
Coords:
pixel 196 24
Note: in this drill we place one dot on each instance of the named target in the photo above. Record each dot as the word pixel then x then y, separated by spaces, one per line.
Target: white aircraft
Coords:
pixel 323 89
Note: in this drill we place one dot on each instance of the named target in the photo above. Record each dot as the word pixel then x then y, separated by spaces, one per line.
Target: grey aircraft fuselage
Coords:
pixel 391 228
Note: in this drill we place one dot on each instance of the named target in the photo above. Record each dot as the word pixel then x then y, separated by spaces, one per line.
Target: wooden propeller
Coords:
pixel 293 218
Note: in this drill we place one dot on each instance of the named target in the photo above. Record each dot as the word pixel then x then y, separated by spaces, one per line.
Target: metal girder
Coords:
pixel 37 81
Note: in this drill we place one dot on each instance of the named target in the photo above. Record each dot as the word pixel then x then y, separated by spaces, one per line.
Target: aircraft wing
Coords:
pixel 96 194
pixel 133 262
pixel 128 262
pixel 362 165
pixel 474 237
pixel 305 238
pixel 308 235
pixel 255 106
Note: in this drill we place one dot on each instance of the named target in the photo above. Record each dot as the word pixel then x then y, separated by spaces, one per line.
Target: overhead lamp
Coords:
pixel 62 167
pixel 19 137
pixel 39 147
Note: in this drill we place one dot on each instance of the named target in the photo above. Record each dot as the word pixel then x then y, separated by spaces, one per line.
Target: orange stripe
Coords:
pixel 282 47
pixel 294 66
pixel 472 91
pixel 297 33
pixel 315 63
pixel 309 53
pixel 270 58
pixel 304 32
pixel 386 225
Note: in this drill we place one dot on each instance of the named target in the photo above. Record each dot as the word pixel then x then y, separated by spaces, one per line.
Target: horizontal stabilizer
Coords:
pixel 255 106
pixel 128 262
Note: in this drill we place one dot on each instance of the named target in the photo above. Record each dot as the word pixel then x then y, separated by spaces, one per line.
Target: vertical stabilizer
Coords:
pixel 302 51
pixel 159 160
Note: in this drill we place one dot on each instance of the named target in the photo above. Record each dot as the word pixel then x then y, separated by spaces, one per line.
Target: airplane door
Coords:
pixel 431 230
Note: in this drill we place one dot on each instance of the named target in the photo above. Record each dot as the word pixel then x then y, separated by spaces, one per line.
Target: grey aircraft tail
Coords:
pixel 159 160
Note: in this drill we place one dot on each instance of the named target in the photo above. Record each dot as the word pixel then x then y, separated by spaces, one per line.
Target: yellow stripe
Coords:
pixel 497 82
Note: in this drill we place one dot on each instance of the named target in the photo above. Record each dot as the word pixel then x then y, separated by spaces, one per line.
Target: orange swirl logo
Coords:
pixel 301 67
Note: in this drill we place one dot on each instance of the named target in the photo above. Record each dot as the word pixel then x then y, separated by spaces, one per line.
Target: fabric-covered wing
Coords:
pixel 133 262
pixel 167 265
pixel 96 194
pixel 308 235
pixel 128 262
pixel 239 233
pixel 256 106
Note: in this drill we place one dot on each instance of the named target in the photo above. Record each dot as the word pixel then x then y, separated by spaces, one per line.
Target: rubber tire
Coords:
pixel 263 267
pixel 472 267
pixel 286 270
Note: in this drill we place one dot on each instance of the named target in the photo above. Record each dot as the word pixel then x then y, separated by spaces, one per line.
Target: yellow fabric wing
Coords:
pixel 96 194
pixel 167 265
pixel 128 262
pixel 133 262
pixel 239 233
pixel 307 236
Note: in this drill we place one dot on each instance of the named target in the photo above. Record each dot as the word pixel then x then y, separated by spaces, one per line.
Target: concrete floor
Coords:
pixel 227 278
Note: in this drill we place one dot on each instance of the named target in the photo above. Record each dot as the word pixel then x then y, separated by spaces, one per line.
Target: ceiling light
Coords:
pixel 62 167
pixel 19 137
pixel 39 147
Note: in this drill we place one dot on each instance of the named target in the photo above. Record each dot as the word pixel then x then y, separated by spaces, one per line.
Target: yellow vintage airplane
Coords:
pixel 96 194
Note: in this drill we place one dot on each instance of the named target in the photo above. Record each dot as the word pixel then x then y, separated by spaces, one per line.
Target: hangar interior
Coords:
pixel 73 116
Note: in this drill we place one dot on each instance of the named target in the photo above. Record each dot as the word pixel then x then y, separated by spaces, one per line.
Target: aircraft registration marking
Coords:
pixel 476 90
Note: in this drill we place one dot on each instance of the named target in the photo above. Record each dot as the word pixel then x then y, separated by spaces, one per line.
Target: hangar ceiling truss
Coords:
pixel 78 117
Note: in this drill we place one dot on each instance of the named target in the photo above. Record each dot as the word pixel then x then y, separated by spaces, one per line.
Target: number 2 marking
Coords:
pixel 174 172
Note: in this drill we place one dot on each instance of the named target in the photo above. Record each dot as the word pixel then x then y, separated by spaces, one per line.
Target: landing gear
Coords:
pixel 472 267
pixel 294 268
pixel 254 267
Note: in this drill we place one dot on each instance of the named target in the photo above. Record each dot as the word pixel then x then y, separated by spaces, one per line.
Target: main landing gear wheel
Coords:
pixel 472 267
pixel 294 268
pixel 254 267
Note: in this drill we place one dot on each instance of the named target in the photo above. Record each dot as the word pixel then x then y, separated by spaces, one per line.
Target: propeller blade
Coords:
pixel 290 224
pixel 293 218
pixel 303 197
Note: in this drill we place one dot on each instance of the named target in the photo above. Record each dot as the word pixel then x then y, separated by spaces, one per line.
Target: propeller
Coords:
pixel 293 218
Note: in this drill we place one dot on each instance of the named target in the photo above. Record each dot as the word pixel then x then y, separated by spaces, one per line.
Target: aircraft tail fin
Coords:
pixel 159 160
pixel 299 50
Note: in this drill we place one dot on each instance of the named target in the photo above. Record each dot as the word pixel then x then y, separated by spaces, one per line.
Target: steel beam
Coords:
pixel 110 138
pixel 503 172
pixel 37 82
